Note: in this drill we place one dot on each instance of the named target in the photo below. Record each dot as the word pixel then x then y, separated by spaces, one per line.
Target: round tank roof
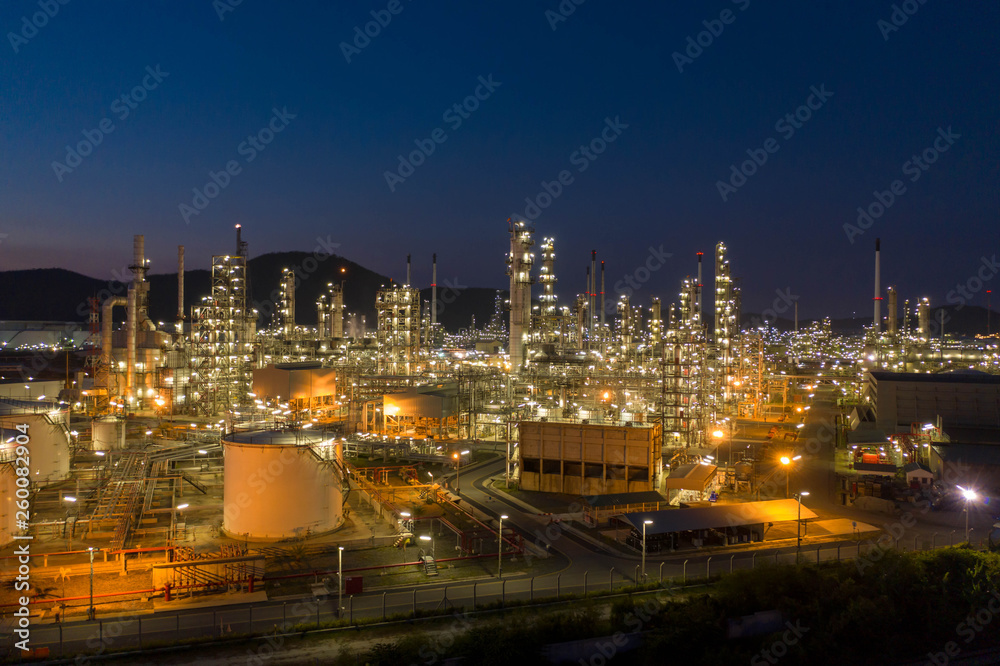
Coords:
pixel 278 437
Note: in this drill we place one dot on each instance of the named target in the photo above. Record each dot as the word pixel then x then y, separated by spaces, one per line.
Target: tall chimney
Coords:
pixel 434 290
pixel 408 283
pixel 878 297
pixel 593 290
pixel 697 299
pixel 180 288
pixel 602 297
pixel 586 326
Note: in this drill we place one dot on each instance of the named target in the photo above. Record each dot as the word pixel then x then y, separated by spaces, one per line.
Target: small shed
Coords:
pixel 918 475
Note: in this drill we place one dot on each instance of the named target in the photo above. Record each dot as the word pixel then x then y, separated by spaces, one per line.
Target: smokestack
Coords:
pixel 602 298
pixel 408 283
pixel 180 288
pixel 593 290
pixel 697 299
pixel 585 326
pixel 239 239
pixel 878 296
pixel 434 289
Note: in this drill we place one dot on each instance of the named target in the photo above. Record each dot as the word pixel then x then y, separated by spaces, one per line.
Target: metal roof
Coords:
pixel 721 515
pixel 621 499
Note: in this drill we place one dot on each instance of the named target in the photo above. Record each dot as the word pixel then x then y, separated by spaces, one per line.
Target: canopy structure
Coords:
pixel 718 516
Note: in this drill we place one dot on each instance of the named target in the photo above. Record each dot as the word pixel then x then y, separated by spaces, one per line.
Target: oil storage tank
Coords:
pixel 276 485
pixel 108 433
pixel 48 436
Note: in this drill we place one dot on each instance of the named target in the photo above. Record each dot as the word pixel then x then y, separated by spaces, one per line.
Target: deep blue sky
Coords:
pixel 323 176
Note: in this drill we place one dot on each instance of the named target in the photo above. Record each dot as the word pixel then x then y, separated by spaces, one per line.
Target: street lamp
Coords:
pixel 458 466
pixel 426 537
pixel 503 517
pixel 91 613
pixel 340 579
pixel 798 524
pixel 644 523
pixel 786 461
pixel 969 495
pixel 408 527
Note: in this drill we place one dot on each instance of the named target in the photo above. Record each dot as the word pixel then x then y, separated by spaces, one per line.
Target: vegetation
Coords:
pixel 900 607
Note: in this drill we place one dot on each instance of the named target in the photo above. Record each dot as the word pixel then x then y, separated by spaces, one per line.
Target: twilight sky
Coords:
pixel 309 115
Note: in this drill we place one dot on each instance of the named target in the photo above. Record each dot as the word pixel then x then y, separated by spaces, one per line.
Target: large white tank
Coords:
pixel 108 433
pixel 48 435
pixel 276 488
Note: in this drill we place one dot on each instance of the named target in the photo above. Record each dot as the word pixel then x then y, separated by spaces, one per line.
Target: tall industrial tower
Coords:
pixel 398 334
pixel 550 312
pixel 727 322
pixel 286 308
pixel 519 263
pixel 222 334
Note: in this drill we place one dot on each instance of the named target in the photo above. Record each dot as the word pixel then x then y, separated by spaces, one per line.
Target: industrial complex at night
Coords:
pixel 499 334
pixel 229 462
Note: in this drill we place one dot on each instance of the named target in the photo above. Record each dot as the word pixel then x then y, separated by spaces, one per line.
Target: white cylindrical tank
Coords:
pixel 276 488
pixel 108 434
pixel 8 500
pixel 48 436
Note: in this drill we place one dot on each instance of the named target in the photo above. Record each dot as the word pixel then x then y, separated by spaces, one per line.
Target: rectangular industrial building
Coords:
pixel 965 399
pixel 586 459
pixel 303 385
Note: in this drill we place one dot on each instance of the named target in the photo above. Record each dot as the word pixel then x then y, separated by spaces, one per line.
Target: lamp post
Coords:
pixel 340 579
pixel 969 495
pixel 503 517
pixel 407 527
pixel 798 525
pixel 786 461
pixel 644 523
pixel 458 467
pixel 65 523
pixel 173 530
pixel 91 614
